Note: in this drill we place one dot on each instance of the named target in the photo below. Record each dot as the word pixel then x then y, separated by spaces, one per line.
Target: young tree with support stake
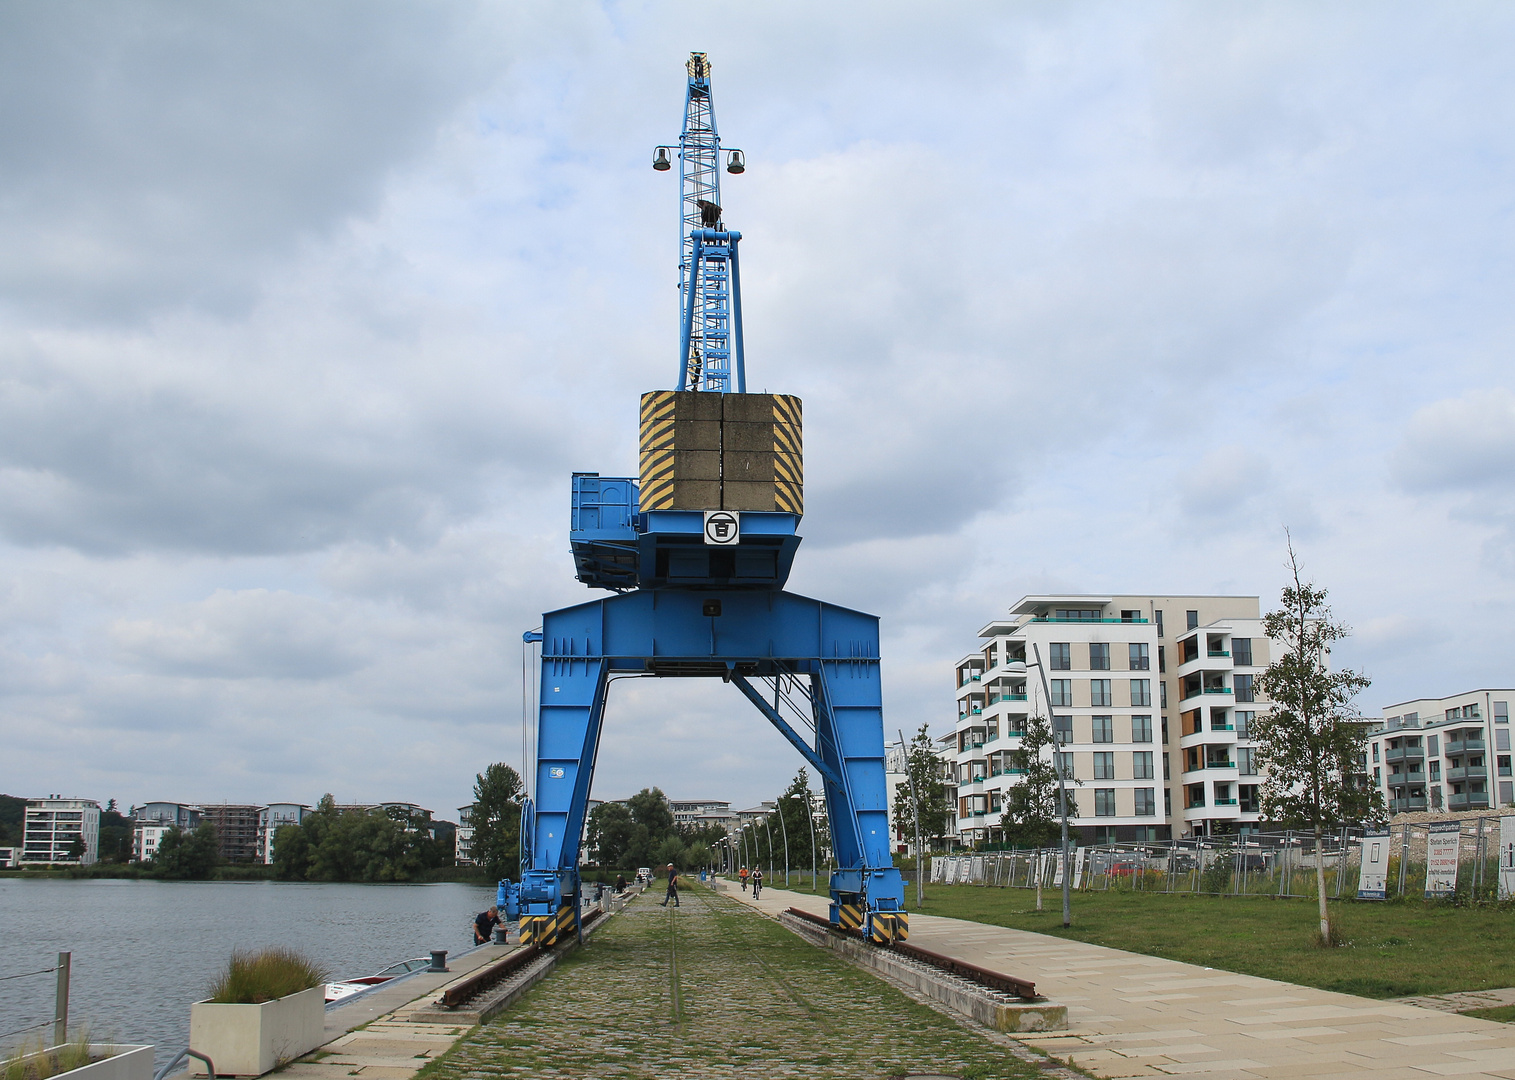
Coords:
pixel 1312 742
pixel 1032 805
pixel 925 780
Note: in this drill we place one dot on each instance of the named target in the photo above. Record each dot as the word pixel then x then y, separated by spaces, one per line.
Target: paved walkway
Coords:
pixel 1134 1015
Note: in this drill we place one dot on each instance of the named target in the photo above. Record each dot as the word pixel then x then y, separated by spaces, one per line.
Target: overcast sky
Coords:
pixel 307 312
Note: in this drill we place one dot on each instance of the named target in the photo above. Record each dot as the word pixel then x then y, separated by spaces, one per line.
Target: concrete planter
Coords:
pixel 250 1040
pixel 125 1063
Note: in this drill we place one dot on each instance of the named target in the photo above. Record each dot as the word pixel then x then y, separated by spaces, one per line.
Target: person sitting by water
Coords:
pixel 484 924
pixel 620 883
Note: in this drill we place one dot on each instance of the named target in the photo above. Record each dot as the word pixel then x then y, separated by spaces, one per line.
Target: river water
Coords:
pixel 143 950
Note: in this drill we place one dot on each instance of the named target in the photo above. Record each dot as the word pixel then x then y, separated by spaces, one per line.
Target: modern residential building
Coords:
pixel 1153 696
pixel 60 830
pixel 271 819
pixel 701 812
pixel 1447 754
pixel 178 815
pixel 7 857
pixel 463 845
pixel 146 836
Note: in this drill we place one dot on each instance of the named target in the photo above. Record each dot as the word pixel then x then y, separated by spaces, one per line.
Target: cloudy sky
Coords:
pixel 308 312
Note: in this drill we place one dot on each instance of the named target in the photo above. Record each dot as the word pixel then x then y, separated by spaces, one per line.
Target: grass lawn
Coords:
pixel 1395 949
pixel 1503 1013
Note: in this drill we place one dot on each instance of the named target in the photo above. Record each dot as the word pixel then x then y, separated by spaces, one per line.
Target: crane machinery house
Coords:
pixel 695 550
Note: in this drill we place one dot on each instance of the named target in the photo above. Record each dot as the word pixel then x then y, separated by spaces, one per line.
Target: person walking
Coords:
pixel 673 888
pixel 757 884
pixel 743 875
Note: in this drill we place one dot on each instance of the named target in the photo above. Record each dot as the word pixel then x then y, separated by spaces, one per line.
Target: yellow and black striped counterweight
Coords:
pixel 849 915
pixel 887 927
pixel 708 451
pixel 536 929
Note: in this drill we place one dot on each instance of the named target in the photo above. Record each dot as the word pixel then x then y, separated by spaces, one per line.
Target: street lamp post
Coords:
pixel 920 894
pixel 1062 787
pixel 785 829
pixel 769 826
pixel 810 816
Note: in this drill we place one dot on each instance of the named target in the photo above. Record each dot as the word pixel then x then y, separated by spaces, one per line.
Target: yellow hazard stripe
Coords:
pixel 851 917
pixel 786 469
pixel 787 498
pixel 657 404
pixel 901 926
pixel 657 495
pixel 786 410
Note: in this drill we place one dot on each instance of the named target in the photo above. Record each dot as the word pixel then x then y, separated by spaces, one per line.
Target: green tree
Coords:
pixel 1312 741
pixel 291 853
pixel 497 794
pixel 115 835
pixel 187 856
pixel 1032 809
pixel 924 791
pixel 611 831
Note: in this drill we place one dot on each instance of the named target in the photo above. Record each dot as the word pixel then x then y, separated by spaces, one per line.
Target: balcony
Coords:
pixel 1218 652
pixel 1478 801
pixel 996 698
pixel 1465 746
pixel 1222 727
pixel 1060 619
pixel 1217 689
pixel 1220 764
pixel 1406 806
pixel 1404 753
pixel 1468 772
pixel 1198 804
pixel 1401 779
pixel 1225 802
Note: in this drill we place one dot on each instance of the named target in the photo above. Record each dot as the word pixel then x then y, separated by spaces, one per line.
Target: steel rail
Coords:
pixel 994 980
pixel 467 989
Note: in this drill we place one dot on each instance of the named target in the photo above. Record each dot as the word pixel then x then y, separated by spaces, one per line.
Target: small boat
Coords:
pixel 336 991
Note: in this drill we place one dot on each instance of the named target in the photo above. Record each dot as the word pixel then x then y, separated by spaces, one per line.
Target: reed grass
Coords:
pixel 34 1061
pixel 251 978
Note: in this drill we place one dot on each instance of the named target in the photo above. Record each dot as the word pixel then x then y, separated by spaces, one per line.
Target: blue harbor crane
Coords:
pixel 694 552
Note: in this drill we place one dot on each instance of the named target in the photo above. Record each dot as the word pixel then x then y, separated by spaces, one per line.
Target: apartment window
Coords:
pixel 1436 770
pixel 1146 802
pixel 1503 761
pixel 1164 688
pixel 1104 765
pixel 1162 659
pixel 1242 684
pixel 1104 802
pixel 1248 802
pixel 1433 745
pixel 1141 693
pixel 1077 614
pixel 1244 761
pixel 1167 772
pixel 1506 792
pixel 1167 800
pixel 1375 751
pixel 1137 656
pixel 1141 729
pixel 1065 763
pixel 1376 777
pixel 1141 765
pixel 1241 651
pixel 1099 656
pixel 1157 616
pixel 1062 729
pixel 1501 712
pixel 1060 656
pixel 1062 692
pixel 1165 731
pixel 1502 739
pixel 1099 693
pixel 1104 728
pixel 1130 616
pixel 1191 619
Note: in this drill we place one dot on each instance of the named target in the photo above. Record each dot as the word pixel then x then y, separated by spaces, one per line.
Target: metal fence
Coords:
pixel 1254 864
pixel 58 1021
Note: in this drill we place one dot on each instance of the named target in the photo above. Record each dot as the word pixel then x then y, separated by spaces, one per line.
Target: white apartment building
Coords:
pixel 270 819
pixel 895 777
pixel 53 826
pixel 1152 696
pixel 146 836
pixel 700 812
pixel 463 839
pixel 1447 754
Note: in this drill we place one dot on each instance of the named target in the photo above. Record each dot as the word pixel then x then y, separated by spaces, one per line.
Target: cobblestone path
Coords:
pixel 714 990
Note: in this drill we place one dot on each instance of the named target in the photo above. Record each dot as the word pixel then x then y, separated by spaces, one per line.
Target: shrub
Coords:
pixel 252 978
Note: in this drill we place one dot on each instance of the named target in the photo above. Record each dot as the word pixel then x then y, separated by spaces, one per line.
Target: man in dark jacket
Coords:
pixel 673 888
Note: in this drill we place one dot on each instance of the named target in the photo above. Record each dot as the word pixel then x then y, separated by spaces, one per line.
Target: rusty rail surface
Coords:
pixel 994 980
pixel 486 977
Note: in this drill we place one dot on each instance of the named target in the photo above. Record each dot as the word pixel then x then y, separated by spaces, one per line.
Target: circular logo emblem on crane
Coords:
pixel 722 527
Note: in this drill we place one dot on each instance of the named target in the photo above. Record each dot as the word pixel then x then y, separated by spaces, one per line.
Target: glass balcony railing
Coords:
pixel 1402 753
pixel 1220 764
pixel 1217 689
pixel 1464 745
pixel 1225 802
pixel 1197 804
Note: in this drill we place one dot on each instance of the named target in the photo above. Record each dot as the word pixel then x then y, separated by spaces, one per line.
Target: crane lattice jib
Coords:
pixel 710 304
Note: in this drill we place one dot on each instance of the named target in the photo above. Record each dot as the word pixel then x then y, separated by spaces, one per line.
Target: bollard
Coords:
pixel 501 935
pixel 438 960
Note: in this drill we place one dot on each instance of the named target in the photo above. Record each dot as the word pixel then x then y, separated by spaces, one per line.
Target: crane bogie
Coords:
pixel 696 550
